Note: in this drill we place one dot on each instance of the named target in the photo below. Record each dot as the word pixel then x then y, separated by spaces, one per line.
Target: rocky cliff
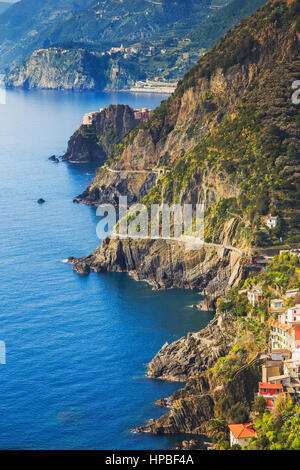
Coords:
pixel 69 67
pixel 59 68
pixel 166 264
pixel 196 353
pixel 192 408
pixel 229 136
pixel 192 360
pixel 94 142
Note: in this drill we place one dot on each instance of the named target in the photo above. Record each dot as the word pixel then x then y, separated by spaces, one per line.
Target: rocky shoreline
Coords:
pixel 195 353
pixel 167 264
pixel 93 142
pixel 188 359
pixel 218 140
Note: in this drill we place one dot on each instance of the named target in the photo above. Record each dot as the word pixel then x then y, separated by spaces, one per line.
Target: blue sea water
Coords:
pixel 77 347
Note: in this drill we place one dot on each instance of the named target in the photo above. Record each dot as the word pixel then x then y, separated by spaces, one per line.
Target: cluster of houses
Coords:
pixel 281 370
pixel 88 117
pixel 155 86
pixel 55 50
pixel 132 50
pixel 281 373
pixel 142 115
pixel 142 50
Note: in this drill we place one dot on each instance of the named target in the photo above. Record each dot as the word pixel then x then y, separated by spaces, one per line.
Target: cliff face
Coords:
pixel 190 359
pixel 229 135
pixel 73 68
pixel 179 361
pixel 193 407
pixel 174 131
pixel 165 264
pixel 93 143
pixel 57 68
pixel 218 114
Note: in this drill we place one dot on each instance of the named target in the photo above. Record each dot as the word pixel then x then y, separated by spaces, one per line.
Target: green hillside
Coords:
pixel 21 24
pixel 172 50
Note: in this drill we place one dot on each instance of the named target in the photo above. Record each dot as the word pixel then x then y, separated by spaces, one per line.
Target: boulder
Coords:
pixel 53 158
pixel 81 267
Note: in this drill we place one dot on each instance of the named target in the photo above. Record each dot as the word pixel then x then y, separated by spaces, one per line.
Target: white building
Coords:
pixel 291 293
pixel 255 296
pixel 241 434
pixel 272 222
pixel 276 304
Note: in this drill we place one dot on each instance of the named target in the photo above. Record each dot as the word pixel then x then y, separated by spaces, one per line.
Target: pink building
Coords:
pixel 285 336
pixel 292 315
pixel 296 336
pixel 143 114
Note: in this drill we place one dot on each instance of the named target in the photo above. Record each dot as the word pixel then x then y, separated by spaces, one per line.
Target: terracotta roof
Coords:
pixel 268 385
pixel 241 431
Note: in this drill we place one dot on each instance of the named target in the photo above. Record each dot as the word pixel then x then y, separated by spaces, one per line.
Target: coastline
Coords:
pixel 161 91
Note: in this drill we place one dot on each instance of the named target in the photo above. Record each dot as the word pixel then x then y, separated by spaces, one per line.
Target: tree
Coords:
pixel 236 447
pixel 260 405
pixel 238 413
pixel 280 405
pixel 218 430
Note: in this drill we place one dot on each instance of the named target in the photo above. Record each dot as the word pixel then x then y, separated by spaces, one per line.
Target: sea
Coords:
pixel 76 347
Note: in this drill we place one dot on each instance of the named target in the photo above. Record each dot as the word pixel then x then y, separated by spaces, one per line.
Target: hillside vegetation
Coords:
pixel 228 136
pixel 165 44
pixel 255 144
pixel 24 21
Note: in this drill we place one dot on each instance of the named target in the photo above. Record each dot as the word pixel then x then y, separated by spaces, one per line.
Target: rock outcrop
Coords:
pixel 222 140
pixel 166 264
pixel 58 68
pixel 217 139
pixel 190 359
pixel 94 142
pixel 194 406
pixel 196 353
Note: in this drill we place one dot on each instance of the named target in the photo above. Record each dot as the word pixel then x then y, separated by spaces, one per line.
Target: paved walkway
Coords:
pixel 184 239
pixel 193 241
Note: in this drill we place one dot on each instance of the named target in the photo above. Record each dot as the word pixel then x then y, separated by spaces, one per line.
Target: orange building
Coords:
pixel 241 433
